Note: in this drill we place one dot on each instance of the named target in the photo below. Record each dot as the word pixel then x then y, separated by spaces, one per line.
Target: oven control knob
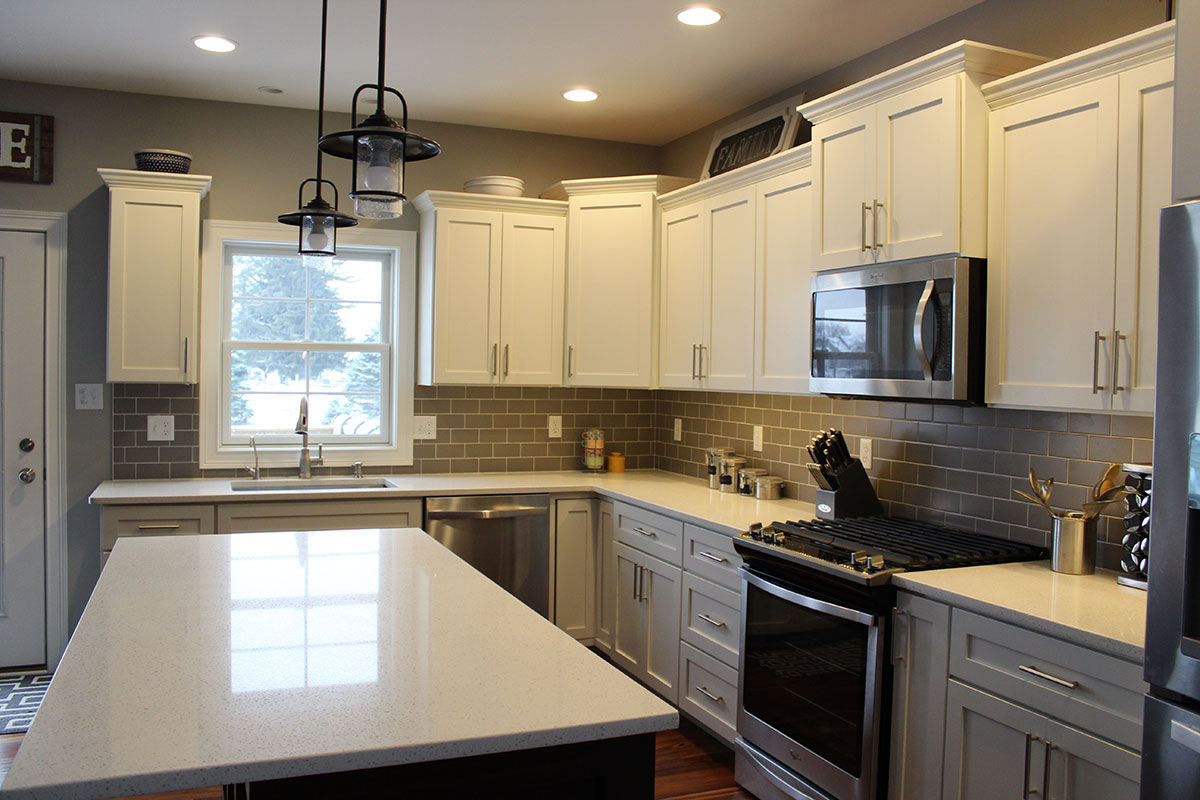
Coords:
pixel 777 537
pixel 863 561
pixel 756 531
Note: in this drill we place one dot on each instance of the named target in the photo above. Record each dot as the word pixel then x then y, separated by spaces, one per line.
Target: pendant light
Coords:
pixel 318 221
pixel 379 147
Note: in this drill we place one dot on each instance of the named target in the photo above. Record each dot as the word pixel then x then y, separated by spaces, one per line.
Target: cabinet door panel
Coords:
pixel 318 515
pixel 917 172
pixel 1051 245
pixel 681 320
pixel 844 179
pixel 610 286
pixel 606 600
pixel 468 295
pixel 1083 767
pixel 920 657
pixel 532 297
pixel 661 590
pixel 783 276
pixel 630 627
pixel 1144 187
pixel 727 362
pixel 986 749
pixel 575 567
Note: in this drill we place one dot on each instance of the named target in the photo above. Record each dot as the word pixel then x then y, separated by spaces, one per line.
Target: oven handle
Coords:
pixel 919 330
pixel 824 607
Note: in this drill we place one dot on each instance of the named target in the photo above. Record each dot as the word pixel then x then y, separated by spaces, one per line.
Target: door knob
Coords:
pixel 26 445
pixel 27 475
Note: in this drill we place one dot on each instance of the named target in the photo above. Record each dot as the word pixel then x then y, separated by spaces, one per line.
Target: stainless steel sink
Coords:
pixel 276 484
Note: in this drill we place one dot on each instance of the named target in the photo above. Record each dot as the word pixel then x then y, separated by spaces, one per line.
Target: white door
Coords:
pixel 727 360
pixel 531 309
pixel 681 323
pixel 843 160
pixel 467 298
pixel 22 404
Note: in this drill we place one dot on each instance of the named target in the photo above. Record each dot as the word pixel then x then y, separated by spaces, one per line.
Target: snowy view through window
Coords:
pixel 307 327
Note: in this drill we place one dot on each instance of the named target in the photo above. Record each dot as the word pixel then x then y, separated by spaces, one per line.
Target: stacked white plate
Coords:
pixel 496 184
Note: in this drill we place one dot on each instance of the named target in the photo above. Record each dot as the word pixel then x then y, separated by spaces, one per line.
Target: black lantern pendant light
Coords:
pixel 379 147
pixel 318 221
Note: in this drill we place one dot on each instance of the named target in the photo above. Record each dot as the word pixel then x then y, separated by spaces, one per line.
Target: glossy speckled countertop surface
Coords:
pixel 685 498
pixel 1092 610
pixel 203 660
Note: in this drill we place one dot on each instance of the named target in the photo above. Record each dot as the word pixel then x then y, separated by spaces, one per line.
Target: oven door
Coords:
pixel 810 686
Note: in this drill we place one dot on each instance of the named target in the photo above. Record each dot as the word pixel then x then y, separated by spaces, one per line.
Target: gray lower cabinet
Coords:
pixel 161 520
pixel 575 562
pixel 646 634
pixel 319 515
pixel 606 582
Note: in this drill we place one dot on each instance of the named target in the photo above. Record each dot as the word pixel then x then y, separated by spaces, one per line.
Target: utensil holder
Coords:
pixel 1073 551
pixel 853 497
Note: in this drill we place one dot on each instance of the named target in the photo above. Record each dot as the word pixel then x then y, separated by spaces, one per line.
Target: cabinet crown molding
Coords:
pixel 769 167
pixel 659 184
pixel 1143 47
pixel 431 199
pixel 979 62
pixel 136 179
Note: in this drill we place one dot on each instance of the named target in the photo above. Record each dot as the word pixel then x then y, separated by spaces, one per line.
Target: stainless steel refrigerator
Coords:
pixel 1171 739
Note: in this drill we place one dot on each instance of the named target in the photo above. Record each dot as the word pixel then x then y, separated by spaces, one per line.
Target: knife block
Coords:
pixel 854 497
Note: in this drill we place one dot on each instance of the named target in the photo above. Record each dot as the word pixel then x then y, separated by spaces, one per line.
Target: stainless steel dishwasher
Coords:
pixel 506 537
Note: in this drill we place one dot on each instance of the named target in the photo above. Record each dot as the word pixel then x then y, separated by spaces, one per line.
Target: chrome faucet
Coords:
pixel 306 461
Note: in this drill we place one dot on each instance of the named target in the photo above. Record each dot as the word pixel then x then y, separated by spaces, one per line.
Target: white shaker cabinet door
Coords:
pixel 783 283
pixel 532 296
pixel 727 359
pixel 681 317
pixel 467 313
pixel 843 160
pixel 1051 247
pixel 1143 188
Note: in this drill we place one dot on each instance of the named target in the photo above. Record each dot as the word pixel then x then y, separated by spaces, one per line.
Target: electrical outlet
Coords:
pixel 678 429
pixel 864 452
pixel 160 428
pixel 554 423
pixel 758 437
pixel 424 427
pixel 89 395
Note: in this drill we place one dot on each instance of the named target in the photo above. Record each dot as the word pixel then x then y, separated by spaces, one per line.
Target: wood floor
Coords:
pixel 688 764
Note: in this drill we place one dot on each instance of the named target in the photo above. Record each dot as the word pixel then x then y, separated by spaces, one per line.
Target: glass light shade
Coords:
pixel 318 235
pixel 379 188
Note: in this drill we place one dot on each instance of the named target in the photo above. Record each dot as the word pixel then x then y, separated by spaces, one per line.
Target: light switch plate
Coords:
pixel 554 423
pixel 89 395
pixel 758 437
pixel 678 429
pixel 864 452
pixel 160 428
pixel 424 427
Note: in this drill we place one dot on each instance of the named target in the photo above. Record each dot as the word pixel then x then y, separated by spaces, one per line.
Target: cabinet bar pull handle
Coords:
pixel 709 695
pixel 695 347
pixel 645 532
pixel 711 557
pixel 158 527
pixel 716 623
pixel 506 361
pixel 492 369
pixel 897 655
pixel 1046 770
pixel 637 572
pixel 185 355
pixel 875 225
pixel 1037 673
pixel 1029 740
pixel 703 374
pixel 862 227
pixel 1118 337
pixel 570 360
pixel 1096 340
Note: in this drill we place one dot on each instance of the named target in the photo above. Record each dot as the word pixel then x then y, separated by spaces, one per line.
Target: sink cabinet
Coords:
pixel 318 515
pixel 162 520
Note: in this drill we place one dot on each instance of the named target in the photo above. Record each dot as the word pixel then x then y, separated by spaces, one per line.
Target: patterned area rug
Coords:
pixel 20 696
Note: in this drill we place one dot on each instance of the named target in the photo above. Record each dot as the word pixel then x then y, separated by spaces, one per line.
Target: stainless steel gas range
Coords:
pixel 814 673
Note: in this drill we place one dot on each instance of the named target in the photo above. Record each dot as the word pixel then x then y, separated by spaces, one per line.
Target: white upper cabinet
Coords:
pixel 727 359
pixel 1079 167
pixel 153 275
pixel 612 272
pixel 681 320
pixel 899 160
pixel 492 273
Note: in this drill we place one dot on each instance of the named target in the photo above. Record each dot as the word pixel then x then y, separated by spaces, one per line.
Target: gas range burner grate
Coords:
pixel 902 543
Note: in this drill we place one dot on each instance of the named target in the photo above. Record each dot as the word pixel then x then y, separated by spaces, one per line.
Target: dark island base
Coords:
pixel 608 769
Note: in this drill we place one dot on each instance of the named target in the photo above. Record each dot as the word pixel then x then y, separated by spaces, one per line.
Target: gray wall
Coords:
pixel 257 156
pixel 1050 28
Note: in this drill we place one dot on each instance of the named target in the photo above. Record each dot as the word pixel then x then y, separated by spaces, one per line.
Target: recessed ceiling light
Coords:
pixel 270 90
pixel 580 95
pixel 215 44
pixel 699 15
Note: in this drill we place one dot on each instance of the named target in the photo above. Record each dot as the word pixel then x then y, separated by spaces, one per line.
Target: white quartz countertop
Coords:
pixel 203 660
pixel 685 498
pixel 1092 610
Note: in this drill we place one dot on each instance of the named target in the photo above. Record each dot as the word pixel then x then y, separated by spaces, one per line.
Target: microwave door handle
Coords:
pixel 919 330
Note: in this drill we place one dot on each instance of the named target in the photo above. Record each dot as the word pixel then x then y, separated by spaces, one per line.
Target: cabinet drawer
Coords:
pixel 660 536
pixel 711 555
pixel 1093 691
pixel 319 515
pixel 708 691
pixel 712 618
pixel 155 521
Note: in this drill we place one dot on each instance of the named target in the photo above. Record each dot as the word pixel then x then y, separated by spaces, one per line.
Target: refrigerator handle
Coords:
pixel 1185 735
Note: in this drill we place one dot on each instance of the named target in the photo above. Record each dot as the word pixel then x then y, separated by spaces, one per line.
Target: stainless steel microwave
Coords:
pixel 911 330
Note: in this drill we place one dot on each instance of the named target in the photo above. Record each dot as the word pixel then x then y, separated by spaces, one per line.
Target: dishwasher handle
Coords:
pixel 508 512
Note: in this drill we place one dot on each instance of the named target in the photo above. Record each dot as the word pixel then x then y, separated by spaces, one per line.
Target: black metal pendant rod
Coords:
pixel 321 92
pixel 382 54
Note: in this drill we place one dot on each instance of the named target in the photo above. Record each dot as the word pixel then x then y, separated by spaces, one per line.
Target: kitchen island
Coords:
pixel 326 663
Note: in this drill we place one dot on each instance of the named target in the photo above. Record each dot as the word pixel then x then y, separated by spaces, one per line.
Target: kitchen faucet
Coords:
pixel 306 461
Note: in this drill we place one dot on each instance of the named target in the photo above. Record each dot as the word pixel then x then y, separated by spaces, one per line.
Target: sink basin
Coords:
pixel 276 484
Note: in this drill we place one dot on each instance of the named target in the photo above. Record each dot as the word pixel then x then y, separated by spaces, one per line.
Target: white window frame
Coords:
pixel 215 453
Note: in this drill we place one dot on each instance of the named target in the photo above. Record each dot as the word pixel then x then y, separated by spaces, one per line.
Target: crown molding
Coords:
pixel 659 184
pixel 136 179
pixel 979 62
pixel 433 199
pixel 778 164
pixel 1119 55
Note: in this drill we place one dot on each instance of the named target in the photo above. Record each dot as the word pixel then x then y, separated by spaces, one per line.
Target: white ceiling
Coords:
pixel 498 63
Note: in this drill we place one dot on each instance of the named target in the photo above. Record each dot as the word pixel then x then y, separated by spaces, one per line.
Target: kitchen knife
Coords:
pixel 822 480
